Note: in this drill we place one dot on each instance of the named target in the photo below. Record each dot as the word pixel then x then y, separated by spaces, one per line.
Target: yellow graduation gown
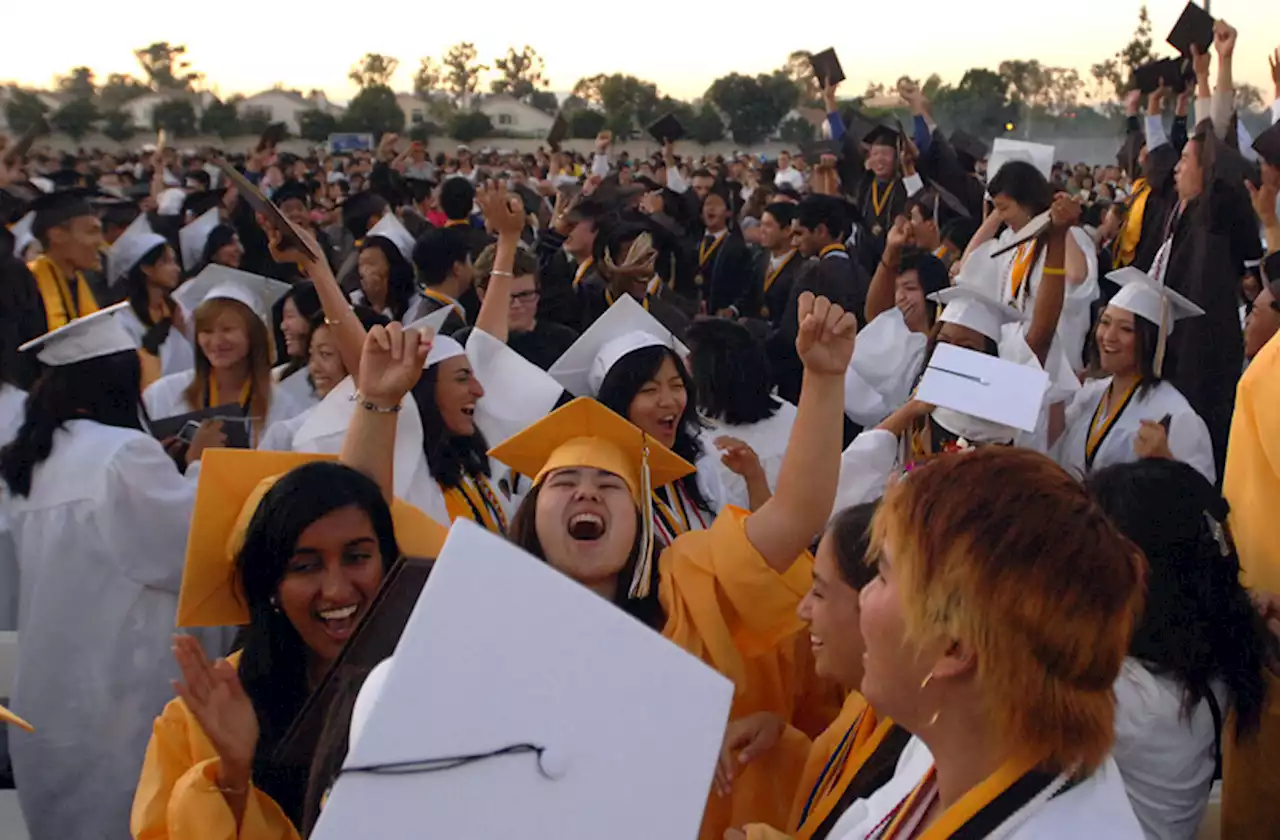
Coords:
pixel 178 796
pixel 725 605
pixel 60 304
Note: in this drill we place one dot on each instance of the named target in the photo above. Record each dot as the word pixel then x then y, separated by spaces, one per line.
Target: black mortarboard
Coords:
pixel 198 203
pixel 292 190
pixel 1267 145
pixel 1149 77
pixel 1195 26
pixel 362 205
pixel 373 641
pixel 58 208
pixel 826 67
pixel 232 415
pixel 667 129
pixel 813 150
pixel 66 179
pixel 261 204
pixel 882 135
pixel 559 131
pixel 966 144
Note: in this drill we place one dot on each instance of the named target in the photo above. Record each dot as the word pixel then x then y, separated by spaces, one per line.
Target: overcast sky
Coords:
pixel 240 49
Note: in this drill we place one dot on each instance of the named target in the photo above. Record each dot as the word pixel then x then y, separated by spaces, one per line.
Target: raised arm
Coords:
pixel 494 203
pixel 881 292
pixel 786 525
pixel 1049 298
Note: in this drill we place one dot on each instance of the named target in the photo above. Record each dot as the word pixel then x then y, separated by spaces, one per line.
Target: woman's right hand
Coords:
pixel 744 740
pixel 210 435
pixel 214 695
pixel 391 362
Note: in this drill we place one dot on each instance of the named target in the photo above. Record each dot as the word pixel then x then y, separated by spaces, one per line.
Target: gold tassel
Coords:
pixel 644 563
pixel 1162 340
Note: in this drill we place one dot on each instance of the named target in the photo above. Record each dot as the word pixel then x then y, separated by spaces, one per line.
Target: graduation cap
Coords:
pixel 373 641
pixel 1153 301
pixel 1267 145
pixel 22 234
pixel 390 227
pixel 882 135
pixel 984 386
pixel 969 306
pixel 136 242
pixel 218 281
pixel 540 722
pixel 1194 26
pixel 1168 71
pixel 236 424
pixel 9 717
pixel 667 128
pixel 57 208
pixel 559 131
pixel 966 144
pixel 93 336
pixel 1004 150
pixel 193 237
pixel 261 204
pixel 624 328
pixel 1032 229
pixel 826 67
pixel 443 347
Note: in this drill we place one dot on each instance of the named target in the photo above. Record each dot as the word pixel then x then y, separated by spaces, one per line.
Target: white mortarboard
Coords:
pixel 983 386
pixel 169 202
pixel 392 229
pixel 973 307
pixel 193 237
pixel 135 243
pixel 22 235
pixel 1155 302
pixel 217 281
pixel 42 183
pixel 1004 150
pixel 96 334
pixel 624 328
pixel 589 723
pixel 442 346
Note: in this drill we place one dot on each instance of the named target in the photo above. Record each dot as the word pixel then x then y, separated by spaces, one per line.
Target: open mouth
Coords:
pixel 340 622
pixel 815 643
pixel 668 425
pixel 586 527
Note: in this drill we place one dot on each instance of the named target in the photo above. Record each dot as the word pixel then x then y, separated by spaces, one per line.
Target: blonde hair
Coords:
pixel 1000 548
pixel 260 355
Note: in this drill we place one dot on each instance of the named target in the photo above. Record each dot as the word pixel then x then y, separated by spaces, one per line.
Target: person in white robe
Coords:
pixel 386 270
pixel 299 309
pixel 142 266
pixel 229 309
pixel 12 404
pixel 99 520
pixel 1132 412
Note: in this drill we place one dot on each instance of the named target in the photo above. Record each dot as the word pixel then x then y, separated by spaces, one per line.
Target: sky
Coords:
pixel 237 52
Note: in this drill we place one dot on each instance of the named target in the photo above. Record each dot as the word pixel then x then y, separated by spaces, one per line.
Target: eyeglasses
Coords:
pixel 524 297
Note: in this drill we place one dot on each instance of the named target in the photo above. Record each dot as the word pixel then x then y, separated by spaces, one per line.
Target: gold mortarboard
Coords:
pixel 9 717
pixel 232 483
pixel 584 433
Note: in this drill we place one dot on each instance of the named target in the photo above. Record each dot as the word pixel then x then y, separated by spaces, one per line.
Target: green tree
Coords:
pixel 221 119
pixel 316 125
pixel 118 125
pixel 521 73
pixel 374 70
pixel 628 103
pixel 166 67
pixel 470 125
pixel 119 90
pixel 427 79
pixel 706 127
pixel 755 105
pixel 979 104
pixel 1248 98
pixel 78 84
pixel 797 130
pixel 545 101
pixel 462 72
pixel 76 119
pixel 23 110
pixel 176 116
pixel 586 124
pixel 800 71
pixel 255 120
pixel 375 111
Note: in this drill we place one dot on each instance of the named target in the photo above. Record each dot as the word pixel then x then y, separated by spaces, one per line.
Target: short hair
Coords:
pixel 702 172
pixel 730 372
pixel 437 251
pixel 826 210
pixel 1024 184
pixel 1003 549
pixel 960 231
pixel 457 196
pixel 930 271
pixel 526 264
pixel 782 212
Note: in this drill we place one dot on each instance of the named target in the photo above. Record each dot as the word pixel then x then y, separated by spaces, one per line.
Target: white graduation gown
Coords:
pixel 1188 436
pixel 13 401
pixel 1166 758
pixel 297 385
pixel 768 438
pixel 886 360
pixel 101 544
pixel 163 398
pixel 1096 808
pixel 176 353
pixel 279 437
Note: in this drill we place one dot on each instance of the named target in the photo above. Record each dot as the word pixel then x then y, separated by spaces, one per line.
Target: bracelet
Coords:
pixel 507 274
pixel 332 322
pixel 1054 272
pixel 230 790
pixel 369 405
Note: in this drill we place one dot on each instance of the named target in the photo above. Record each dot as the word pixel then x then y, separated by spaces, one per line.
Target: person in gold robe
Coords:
pixel 70 233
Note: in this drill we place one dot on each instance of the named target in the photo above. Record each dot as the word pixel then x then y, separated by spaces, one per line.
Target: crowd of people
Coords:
pixel 236 390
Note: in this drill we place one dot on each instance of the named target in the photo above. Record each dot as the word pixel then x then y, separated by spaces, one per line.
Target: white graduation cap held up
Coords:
pixel 136 242
pixel 390 228
pixel 96 334
pixel 624 328
pixel 218 281
pixel 193 237
pixel 1153 301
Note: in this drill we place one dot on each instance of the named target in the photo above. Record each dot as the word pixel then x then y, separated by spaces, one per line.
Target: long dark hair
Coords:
pixel 730 372
pixel 106 390
pixel 400 277
pixel 307 301
pixel 524 533
pixel 449 456
pixel 137 293
pixel 220 237
pixel 1199 624
pixel 273 664
pixel 850 532
pixel 623 382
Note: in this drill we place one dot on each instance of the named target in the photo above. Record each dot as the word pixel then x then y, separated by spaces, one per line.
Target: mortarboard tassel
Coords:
pixel 644 563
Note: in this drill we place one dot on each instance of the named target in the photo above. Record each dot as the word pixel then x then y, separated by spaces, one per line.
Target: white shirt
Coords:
pixel 101 543
pixel 164 398
pixel 790 176
pixel 279 437
pixel 176 353
pixel 1188 435
pixel 296 385
pixel 768 437
pixel 1166 758
pixel 886 361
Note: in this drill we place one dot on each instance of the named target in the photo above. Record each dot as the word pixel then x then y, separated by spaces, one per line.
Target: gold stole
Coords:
pixel 582 270
pixel 1127 246
pixel 1021 270
pixel 705 253
pixel 212 395
pixel 1098 433
pixel 609 299
pixel 969 806
pixel 474 499
pixel 861 740
pixel 774 274
pixel 440 297
pixel 61 305
pixel 831 249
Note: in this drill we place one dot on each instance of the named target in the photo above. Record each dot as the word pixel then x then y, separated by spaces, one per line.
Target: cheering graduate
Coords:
pixel 296 311
pixel 386 271
pixel 70 233
pixel 777 266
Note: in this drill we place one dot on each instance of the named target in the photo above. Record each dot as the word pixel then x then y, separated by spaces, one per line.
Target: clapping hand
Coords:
pixel 213 693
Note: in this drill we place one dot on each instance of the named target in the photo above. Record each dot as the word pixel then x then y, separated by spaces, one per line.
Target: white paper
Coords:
pixel 983 386
pixel 502 649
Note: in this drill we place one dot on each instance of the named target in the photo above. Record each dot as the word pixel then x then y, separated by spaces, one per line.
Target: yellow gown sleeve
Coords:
pixel 1251 479
pixel 178 798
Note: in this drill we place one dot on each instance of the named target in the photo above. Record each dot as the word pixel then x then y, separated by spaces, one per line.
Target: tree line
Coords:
pixel 1019 97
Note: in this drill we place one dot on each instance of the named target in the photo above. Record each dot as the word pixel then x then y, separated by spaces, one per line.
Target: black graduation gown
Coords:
pixel 725 270
pixel 542 345
pixel 595 299
pixel 426 306
pixel 22 316
pixel 940 167
pixel 770 304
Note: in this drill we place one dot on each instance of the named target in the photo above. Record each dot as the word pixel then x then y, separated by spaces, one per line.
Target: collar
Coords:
pixel 774 262
pixel 718 236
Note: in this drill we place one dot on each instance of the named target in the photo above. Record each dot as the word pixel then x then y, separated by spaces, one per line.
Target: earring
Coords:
pixel 928 679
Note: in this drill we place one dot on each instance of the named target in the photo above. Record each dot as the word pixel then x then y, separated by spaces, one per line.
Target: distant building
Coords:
pixel 514 118
pixel 416 111
pixel 286 106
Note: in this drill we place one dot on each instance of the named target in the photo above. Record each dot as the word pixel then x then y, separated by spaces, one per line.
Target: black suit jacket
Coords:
pixel 771 304
pixel 726 274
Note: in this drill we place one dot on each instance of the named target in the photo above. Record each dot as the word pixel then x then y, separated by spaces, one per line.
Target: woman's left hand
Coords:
pixel 1065 212
pixel 740 458
pixel 825 339
pixel 391 363
pixel 497 210
pixel 1152 441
